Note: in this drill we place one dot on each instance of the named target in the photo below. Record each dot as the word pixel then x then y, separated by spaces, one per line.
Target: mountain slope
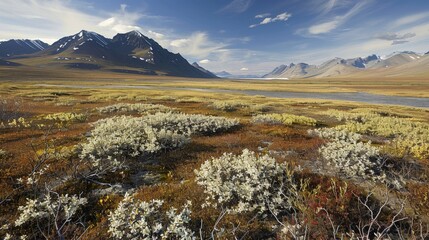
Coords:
pixel 130 52
pixel 7 63
pixel 197 66
pixel 397 59
pixel 401 63
pixel 19 47
pixel 223 74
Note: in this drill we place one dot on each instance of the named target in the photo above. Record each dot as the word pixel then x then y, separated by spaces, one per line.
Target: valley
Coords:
pixel 139 120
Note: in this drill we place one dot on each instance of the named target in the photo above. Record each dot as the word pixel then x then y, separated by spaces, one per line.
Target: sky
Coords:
pixel 237 36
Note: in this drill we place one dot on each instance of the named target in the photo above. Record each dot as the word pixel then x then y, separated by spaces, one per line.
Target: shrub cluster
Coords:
pixel 350 156
pixel 16 123
pixel 114 139
pixel 229 106
pixel 61 207
pixel 286 119
pixel 134 219
pixel 409 137
pixel 189 123
pixel 247 182
pixel 66 117
pixel 356 115
pixel 135 107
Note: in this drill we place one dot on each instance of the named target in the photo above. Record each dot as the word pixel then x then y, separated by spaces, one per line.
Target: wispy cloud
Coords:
pixel 122 21
pixel 263 15
pixel 237 6
pixel 204 61
pixel 49 20
pixel 398 42
pixel 337 21
pixel 328 6
pixel 197 45
pixel 410 19
pixel 396 38
pixel 279 18
pixel 44 19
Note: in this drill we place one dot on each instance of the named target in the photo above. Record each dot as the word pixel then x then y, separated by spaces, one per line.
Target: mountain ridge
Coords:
pixel 130 52
pixel 14 47
pixel 345 67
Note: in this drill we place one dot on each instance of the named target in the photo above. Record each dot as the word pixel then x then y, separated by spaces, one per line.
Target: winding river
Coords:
pixel 354 96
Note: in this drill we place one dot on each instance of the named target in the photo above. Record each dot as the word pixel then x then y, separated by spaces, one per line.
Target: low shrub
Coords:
pixel 286 119
pixel 229 106
pixel 189 123
pixel 115 139
pixel 52 212
pixel 134 219
pixel 348 155
pixel 135 107
pixel 247 182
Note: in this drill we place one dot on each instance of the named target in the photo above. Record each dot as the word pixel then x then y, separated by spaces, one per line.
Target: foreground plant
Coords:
pixel 51 212
pixel 113 140
pixel 350 156
pixel 135 219
pixel 189 123
pixel 286 119
pixel 135 107
pixel 247 182
pixel 409 137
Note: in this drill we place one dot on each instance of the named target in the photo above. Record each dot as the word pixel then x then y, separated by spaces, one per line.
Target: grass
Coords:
pixel 171 175
pixel 396 86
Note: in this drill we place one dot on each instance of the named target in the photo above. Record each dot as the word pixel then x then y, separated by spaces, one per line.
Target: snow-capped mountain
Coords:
pixel 340 66
pixel 84 42
pixel 20 46
pixel 130 52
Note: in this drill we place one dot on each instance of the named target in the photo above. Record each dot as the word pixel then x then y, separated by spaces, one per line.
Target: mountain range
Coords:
pixel 135 53
pixel 130 52
pixel 22 46
pixel 398 63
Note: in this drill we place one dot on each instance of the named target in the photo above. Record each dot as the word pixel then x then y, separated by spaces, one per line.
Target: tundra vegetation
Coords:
pixel 149 164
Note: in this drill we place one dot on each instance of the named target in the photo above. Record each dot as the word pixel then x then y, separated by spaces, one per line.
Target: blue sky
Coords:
pixel 239 36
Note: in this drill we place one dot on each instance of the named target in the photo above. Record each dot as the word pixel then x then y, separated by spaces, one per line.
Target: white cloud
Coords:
pixel 244 69
pixel 204 61
pixel 333 24
pixel 237 6
pixel 395 36
pixel 156 35
pixel 327 7
pixel 197 45
pixel 281 17
pixel 264 15
pixel 324 27
pixel 42 19
pixel 122 21
pixel 410 19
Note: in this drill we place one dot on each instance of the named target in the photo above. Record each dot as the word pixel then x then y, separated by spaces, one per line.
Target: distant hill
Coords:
pixel 130 52
pixel 197 66
pixel 16 47
pixel 223 74
pixel 336 67
pixel 8 63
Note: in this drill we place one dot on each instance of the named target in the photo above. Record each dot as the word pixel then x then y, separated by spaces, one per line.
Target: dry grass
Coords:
pixel 174 170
